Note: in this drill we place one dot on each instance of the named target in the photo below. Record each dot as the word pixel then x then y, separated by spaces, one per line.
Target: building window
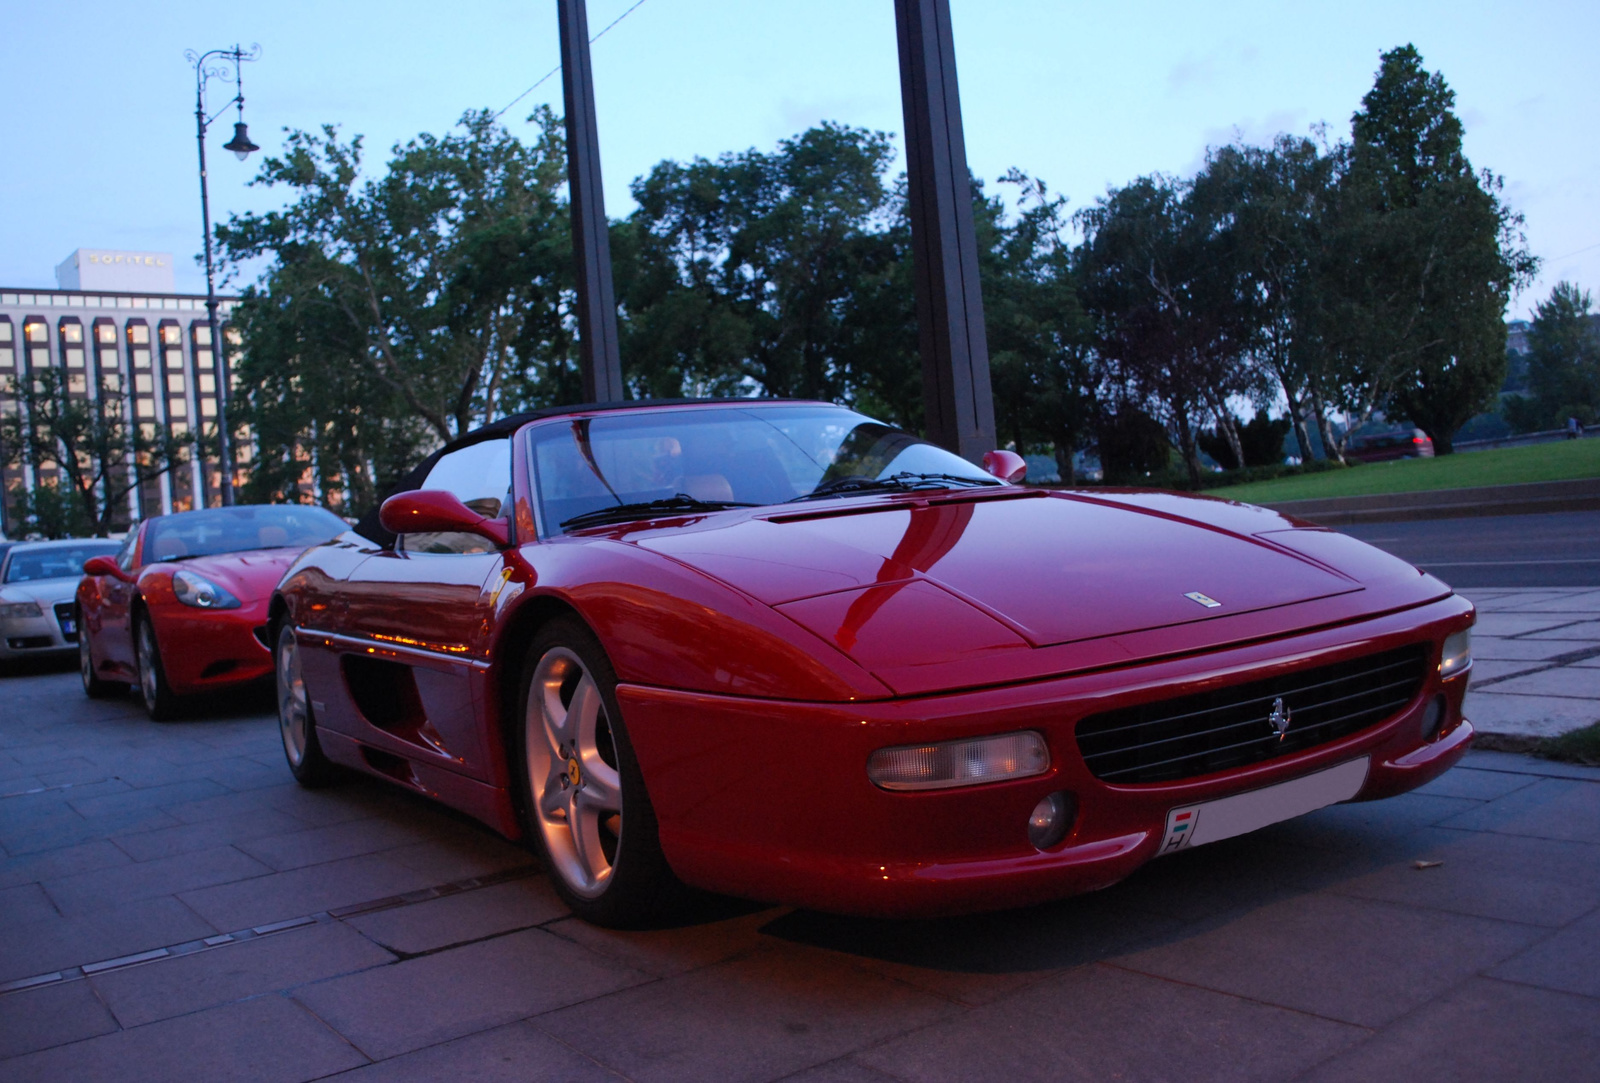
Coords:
pixel 36 330
pixel 146 408
pixel 175 383
pixel 177 408
pixel 143 384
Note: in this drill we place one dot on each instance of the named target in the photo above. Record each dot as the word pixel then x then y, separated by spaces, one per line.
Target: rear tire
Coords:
pixel 584 802
pixel 93 686
pixel 160 702
pixel 297 724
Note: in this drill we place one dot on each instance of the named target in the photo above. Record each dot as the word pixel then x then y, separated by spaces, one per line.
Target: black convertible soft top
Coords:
pixel 369 527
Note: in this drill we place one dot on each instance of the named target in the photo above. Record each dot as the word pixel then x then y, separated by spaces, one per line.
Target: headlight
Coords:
pixel 959 763
pixel 12 610
pixel 200 592
pixel 1457 656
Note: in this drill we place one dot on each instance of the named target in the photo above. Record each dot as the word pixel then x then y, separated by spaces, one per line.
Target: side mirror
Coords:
pixel 104 565
pixel 431 511
pixel 1008 466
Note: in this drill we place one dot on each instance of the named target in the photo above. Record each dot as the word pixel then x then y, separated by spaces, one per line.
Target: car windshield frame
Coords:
pixel 8 559
pixel 695 460
pixel 210 532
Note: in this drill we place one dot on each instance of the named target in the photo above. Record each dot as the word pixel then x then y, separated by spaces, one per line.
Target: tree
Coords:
pixel 100 455
pixel 1155 270
pixel 1429 257
pixel 402 310
pixel 443 277
pixel 1039 359
pixel 742 273
pixel 1564 358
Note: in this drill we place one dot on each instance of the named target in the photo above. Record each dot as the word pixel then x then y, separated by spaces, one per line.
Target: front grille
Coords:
pixel 1231 727
pixel 67 617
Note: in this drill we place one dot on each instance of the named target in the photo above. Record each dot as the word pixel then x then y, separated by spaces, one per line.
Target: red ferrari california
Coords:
pixel 182 607
pixel 780 650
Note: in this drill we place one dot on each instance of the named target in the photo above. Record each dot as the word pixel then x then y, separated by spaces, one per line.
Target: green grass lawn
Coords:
pixel 1464 470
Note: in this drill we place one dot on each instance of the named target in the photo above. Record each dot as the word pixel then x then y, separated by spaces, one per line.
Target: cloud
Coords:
pixel 1196 71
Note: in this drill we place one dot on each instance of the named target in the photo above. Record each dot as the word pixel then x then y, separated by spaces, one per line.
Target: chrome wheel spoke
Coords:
pixel 591 855
pixel 602 789
pixel 554 799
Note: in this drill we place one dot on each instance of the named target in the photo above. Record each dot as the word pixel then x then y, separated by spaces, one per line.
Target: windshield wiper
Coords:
pixel 621 513
pixel 903 482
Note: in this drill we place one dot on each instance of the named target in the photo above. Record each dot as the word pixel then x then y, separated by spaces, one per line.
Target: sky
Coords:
pixel 99 126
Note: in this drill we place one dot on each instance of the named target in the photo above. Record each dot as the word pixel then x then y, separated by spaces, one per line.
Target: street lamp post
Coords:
pixel 242 147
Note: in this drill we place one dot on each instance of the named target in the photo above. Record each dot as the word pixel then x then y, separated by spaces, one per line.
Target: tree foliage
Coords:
pixel 1564 358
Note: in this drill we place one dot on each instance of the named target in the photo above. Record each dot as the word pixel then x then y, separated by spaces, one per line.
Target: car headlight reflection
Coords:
pixel 201 592
pixel 18 610
pixel 1457 655
pixel 959 763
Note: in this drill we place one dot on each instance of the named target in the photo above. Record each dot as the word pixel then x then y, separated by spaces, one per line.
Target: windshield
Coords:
pixel 27 563
pixel 233 530
pixel 723 457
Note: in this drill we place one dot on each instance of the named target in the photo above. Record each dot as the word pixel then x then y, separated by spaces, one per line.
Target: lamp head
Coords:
pixel 240 143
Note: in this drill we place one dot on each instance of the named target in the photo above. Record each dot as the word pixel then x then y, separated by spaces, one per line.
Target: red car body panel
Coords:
pixel 764 654
pixel 201 649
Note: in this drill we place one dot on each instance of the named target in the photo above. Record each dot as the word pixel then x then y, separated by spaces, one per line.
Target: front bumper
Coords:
pixel 205 649
pixel 34 637
pixel 770 800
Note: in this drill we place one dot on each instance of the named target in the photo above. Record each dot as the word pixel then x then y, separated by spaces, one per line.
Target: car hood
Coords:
pixel 909 584
pixel 43 591
pixel 249 575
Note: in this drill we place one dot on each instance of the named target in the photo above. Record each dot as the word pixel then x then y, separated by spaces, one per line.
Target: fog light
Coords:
pixel 959 763
pixel 1457 654
pixel 1051 819
pixel 1433 719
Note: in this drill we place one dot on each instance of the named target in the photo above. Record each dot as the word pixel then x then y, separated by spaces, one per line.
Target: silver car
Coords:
pixel 38 583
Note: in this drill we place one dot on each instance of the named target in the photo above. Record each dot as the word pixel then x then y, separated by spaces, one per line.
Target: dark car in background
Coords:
pixel 1374 447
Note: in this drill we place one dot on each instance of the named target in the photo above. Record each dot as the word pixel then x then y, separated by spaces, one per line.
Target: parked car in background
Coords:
pixel 37 583
pixel 181 608
pixel 1393 444
pixel 781 650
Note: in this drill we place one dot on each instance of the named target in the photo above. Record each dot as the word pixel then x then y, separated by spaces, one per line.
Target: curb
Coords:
pixel 1581 494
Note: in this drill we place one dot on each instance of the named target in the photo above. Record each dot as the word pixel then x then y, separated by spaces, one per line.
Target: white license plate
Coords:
pixel 1212 821
pixel 69 626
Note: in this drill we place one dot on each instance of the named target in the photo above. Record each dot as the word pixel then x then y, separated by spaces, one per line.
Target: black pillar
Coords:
pixel 955 353
pixel 591 246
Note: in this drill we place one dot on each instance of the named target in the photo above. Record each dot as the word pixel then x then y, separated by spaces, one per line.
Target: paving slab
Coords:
pixel 1360 961
pixel 1564 681
pixel 1568 961
pixel 757 1017
pixel 281 895
pixel 266 1040
pixel 1100 1022
pixel 314 846
pixel 25 903
pixel 1531 881
pixel 667 952
pixel 458 919
pixel 1552 808
pixel 44 1018
pixel 514 1053
pixel 39 947
pixel 162 877
pixel 434 998
pixel 1482 1030
pixel 1494 711
pixel 1491 648
pixel 205 979
pixel 222 830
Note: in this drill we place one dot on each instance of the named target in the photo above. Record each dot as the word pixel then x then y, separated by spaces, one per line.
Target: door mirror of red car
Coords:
pixel 104 565
pixel 1008 466
pixel 434 511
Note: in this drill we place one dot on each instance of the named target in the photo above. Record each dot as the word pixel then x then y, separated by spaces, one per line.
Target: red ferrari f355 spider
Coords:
pixel 182 607
pixel 780 650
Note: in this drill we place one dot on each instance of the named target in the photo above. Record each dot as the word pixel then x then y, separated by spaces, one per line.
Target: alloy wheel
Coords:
pixel 86 661
pixel 293 715
pixel 149 676
pixel 572 770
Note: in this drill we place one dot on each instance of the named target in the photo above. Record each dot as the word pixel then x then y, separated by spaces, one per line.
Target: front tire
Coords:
pixel 160 702
pixel 584 800
pixel 93 686
pixel 297 725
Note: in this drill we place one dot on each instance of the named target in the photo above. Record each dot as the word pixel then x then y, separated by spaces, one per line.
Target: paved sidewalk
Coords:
pixel 1536 661
pixel 189 913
